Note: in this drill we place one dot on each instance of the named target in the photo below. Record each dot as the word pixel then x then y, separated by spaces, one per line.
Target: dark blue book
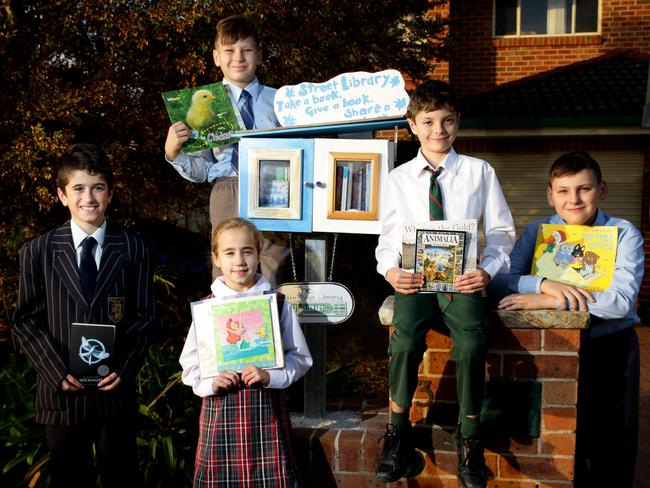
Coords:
pixel 91 352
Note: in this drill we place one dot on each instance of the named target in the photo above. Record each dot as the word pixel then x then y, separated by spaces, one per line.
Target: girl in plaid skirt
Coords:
pixel 245 432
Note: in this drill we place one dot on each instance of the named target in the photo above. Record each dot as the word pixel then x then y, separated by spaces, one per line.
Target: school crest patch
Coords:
pixel 115 308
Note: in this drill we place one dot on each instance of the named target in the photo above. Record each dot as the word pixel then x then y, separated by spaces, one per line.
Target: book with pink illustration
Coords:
pixel 237 332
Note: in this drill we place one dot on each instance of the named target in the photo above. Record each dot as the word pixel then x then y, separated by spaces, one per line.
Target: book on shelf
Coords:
pixel 367 188
pixel 578 255
pixel 210 113
pixel 470 226
pixel 339 188
pixel 348 194
pixel 91 351
pixel 237 332
pixel 344 188
pixel 440 257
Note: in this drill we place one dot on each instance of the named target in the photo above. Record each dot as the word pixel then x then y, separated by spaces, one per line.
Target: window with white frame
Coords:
pixel 545 17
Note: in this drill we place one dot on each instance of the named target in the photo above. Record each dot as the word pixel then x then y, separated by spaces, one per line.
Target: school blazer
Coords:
pixel 50 298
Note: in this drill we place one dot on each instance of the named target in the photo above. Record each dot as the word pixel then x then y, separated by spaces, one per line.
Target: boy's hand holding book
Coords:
pixel 110 382
pixel 177 135
pixel 404 282
pixel 473 281
pixel 70 384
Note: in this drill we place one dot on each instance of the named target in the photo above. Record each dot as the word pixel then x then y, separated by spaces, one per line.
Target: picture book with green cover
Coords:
pixel 208 111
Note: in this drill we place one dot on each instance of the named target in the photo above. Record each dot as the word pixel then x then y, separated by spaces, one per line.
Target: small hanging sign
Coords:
pixel 319 302
pixel 345 98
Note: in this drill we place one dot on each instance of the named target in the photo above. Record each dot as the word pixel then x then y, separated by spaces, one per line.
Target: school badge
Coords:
pixel 116 308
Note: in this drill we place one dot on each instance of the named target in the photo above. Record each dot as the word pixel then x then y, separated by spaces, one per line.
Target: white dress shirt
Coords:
pixel 78 235
pixel 470 190
pixel 297 358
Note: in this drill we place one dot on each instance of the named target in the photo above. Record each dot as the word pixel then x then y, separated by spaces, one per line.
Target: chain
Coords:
pixel 329 278
pixel 293 261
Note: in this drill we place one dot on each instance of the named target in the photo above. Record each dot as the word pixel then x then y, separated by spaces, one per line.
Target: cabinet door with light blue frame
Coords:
pixel 275 183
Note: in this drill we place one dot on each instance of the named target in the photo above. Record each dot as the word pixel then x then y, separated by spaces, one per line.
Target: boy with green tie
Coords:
pixel 439 184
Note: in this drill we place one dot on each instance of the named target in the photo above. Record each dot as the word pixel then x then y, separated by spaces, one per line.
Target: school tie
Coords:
pixel 436 212
pixel 435 196
pixel 246 109
pixel 88 268
pixel 247 116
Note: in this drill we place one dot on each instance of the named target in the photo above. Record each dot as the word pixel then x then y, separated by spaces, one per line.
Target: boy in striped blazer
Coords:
pixel 89 270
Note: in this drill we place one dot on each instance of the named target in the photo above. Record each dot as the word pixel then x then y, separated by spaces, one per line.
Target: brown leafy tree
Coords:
pixel 93 71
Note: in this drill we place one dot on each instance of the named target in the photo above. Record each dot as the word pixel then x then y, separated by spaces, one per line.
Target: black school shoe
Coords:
pixel 398 458
pixel 472 472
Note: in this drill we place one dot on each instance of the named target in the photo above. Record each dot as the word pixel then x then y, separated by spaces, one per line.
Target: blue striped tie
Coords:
pixel 247 116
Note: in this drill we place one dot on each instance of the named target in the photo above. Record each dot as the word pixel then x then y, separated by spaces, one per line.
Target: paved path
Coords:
pixel 643 457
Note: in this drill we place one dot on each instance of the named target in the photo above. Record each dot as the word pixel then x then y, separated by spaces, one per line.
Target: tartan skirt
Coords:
pixel 245 441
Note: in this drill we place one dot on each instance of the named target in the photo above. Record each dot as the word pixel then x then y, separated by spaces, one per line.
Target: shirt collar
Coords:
pixel 78 234
pixel 254 88
pixel 450 163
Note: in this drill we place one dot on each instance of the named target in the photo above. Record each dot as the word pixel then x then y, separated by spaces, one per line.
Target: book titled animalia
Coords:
pixel 209 111
pixel 440 257
pixel 91 351
pixel 578 255
pixel 234 333
pixel 469 226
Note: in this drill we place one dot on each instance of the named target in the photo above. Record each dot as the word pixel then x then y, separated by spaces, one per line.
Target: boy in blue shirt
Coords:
pixel 468 188
pixel 237 53
pixel 608 392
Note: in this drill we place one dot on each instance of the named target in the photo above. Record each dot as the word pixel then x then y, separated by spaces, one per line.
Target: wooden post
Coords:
pixel 316 334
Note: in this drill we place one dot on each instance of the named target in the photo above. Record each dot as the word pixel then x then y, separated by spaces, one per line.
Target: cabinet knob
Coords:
pixel 309 184
pixel 320 184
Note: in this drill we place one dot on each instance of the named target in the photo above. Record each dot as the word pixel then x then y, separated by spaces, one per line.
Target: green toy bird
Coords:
pixel 200 114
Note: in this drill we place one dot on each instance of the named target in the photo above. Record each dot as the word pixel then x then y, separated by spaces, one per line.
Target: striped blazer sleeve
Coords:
pixel 30 325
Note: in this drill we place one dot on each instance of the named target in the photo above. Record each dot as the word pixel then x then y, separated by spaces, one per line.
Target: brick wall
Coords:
pixel 549 356
pixel 480 62
pixel 439 68
pixel 346 457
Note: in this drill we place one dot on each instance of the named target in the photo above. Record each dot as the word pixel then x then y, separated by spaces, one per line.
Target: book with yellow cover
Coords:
pixel 578 255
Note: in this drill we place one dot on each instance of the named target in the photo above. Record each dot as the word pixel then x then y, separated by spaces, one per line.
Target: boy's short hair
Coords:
pixel 236 223
pixel 88 157
pixel 232 29
pixel 431 95
pixel 572 163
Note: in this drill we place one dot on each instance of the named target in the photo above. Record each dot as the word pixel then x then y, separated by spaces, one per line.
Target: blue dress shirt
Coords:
pixel 615 308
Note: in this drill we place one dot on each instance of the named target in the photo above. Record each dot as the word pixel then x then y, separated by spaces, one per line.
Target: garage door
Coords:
pixel 523 177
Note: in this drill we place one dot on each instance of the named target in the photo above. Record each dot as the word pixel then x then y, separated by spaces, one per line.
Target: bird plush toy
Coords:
pixel 200 114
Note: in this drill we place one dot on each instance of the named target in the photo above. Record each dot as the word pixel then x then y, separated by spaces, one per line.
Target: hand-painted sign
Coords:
pixel 319 303
pixel 344 98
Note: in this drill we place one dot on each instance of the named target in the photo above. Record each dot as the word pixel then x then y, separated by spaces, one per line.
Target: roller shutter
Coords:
pixel 523 178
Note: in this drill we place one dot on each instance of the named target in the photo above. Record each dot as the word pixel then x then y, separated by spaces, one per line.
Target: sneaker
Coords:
pixel 398 458
pixel 472 472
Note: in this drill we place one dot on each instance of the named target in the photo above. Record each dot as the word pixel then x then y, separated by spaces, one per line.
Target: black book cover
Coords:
pixel 91 351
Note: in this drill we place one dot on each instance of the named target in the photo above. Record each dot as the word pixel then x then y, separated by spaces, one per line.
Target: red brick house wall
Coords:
pixel 480 62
